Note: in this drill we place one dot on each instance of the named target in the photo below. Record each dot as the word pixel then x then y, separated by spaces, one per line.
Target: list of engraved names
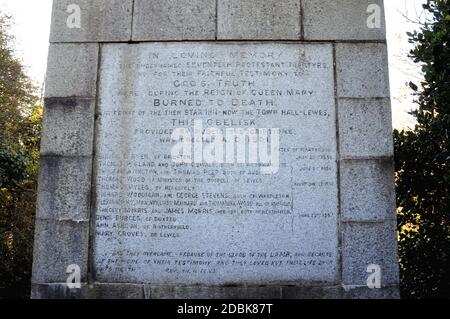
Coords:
pixel 163 221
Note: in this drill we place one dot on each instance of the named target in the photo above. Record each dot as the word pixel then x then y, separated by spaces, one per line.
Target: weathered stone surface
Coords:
pixel 212 292
pixel 64 188
pixel 362 70
pixel 68 127
pixel 57 245
pixel 258 20
pixel 87 291
pixel 237 226
pixel 367 293
pixel 72 70
pixel 115 291
pixel 365 128
pixel 365 244
pixel 367 190
pixel 156 20
pixel 58 291
pixel 311 292
pixel 341 20
pixel 101 21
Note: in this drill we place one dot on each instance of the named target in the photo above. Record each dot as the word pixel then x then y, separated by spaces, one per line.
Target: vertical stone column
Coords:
pixel 64 193
pixel 367 194
pixel 63 207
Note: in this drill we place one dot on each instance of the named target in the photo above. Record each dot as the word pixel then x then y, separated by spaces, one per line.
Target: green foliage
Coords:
pixel 20 119
pixel 423 166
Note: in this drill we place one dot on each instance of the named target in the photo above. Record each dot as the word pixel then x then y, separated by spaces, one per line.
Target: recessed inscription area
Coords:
pixel 162 221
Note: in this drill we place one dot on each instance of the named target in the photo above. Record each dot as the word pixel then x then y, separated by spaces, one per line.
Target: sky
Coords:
pixel 32 28
pixel 401 69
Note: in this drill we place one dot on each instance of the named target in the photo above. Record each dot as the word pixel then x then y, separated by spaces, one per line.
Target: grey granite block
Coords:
pixel 365 128
pixel 392 292
pixel 72 70
pixel 309 292
pixel 156 20
pixel 68 127
pixel 367 244
pixel 367 190
pixel 362 70
pixel 212 292
pixel 258 19
pixel 64 188
pixel 115 291
pixel 57 291
pixel 100 21
pixel 342 20
pixel 57 245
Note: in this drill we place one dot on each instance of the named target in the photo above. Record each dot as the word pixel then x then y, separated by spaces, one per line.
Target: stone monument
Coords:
pixel 216 149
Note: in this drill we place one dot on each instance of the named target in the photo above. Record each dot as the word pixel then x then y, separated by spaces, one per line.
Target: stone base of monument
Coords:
pixel 133 291
pixel 146 189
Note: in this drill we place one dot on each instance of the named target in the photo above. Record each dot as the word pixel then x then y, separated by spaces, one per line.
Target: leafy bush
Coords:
pixel 20 118
pixel 423 166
